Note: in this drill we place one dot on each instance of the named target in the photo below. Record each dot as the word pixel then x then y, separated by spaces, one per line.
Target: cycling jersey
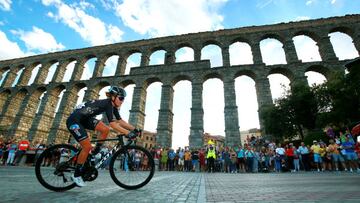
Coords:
pixel 83 117
pixel 93 108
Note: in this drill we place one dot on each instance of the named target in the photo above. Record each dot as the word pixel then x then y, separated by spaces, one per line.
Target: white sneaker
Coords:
pixel 78 181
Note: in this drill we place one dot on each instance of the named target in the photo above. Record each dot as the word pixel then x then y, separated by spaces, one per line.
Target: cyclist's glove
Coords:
pixel 138 131
pixel 132 135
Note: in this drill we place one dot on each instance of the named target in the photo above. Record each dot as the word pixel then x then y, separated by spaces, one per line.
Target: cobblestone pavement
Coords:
pixel 19 184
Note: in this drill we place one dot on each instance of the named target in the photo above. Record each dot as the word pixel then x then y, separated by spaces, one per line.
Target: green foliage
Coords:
pixel 316 135
pixel 335 103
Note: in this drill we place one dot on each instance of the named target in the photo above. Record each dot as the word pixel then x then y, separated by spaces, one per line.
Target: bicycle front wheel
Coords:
pixel 132 167
pixel 55 166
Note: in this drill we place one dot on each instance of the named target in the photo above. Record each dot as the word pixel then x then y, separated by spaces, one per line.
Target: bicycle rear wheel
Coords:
pixel 132 167
pixel 55 166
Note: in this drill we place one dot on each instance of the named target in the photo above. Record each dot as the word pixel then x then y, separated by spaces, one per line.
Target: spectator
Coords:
pixel 164 159
pixel 211 156
pixel 195 160
pixel 304 156
pixel 233 157
pixel 171 160
pixel 289 151
pixel 39 148
pixel 202 160
pixel 181 161
pixel 296 159
pixel 317 150
pixel 351 157
pixel 187 158
pixel 23 147
pixel 12 148
pixel 333 151
pixel 241 159
pixel 249 155
pixel 279 157
pixel 227 160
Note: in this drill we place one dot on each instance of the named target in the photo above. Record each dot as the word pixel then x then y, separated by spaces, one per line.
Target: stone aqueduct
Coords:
pixel 18 104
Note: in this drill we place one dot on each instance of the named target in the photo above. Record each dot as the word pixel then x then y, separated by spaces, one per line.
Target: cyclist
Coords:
pixel 83 117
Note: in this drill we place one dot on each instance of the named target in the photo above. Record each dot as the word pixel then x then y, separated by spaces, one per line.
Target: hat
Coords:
pixel 314 141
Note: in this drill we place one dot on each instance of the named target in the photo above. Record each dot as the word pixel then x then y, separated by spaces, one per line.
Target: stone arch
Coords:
pixel 4 72
pixel 34 72
pixel 240 47
pixel 246 101
pixel 279 79
pixel 314 36
pixel 151 80
pixel 249 73
pixel 184 53
pixel 184 44
pixel 4 96
pixel 276 36
pixel 20 127
pixel 343 44
pixel 325 71
pixel 19 74
pixel 213 108
pixel 127 82
pixel 87 66
pixel 182 86
pixel 111 63
pixel 315 78
pixel 153 94
pixel 283 71
pixel 11 109
pixel 344 29
pixel 133 59
pixel 157 57
pixel 52 66
pixel 306 48
pixel 213 75
pixel 272 50
pixel 178 78
pixel 66 70
pixel 213 53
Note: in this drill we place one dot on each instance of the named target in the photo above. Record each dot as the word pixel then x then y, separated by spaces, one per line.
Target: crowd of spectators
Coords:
pixel 341 153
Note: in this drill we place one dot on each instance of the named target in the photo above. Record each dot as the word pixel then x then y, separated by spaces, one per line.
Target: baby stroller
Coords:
pixel 262 166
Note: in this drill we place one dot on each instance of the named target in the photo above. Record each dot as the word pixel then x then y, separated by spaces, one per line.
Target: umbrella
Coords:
pixel 356 130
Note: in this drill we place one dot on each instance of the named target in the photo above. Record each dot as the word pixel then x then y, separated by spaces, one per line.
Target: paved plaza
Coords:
pixel 19 184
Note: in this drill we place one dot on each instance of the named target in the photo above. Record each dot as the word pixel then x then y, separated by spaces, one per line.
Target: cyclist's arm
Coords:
pixel 115 125
pixel 125 124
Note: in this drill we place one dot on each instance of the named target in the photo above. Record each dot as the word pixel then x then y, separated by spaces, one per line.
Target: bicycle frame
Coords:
pixel 118 146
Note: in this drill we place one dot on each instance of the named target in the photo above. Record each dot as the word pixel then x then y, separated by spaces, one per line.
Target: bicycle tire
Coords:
pixel 118 157
pixel 56 172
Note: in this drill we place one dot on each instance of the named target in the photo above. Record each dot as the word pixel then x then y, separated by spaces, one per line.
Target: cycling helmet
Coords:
pixel 117 91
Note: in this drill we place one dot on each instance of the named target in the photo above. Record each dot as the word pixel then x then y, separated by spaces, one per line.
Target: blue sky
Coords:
pixel 29 27
pixel 77 24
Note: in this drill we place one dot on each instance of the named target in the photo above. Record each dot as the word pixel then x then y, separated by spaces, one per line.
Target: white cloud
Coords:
pixel 309 2
pixel 9 49
pixel 31 39
pixel 300 18
pixel 90 28
pixel 332 1
pixel 158 18
pixel 263 3
pixel 5 5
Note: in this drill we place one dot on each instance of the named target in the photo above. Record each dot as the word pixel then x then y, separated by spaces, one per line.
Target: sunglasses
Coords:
pixel 121 98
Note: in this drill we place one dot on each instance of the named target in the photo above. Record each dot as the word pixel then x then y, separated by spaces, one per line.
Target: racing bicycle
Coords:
pixel 130 166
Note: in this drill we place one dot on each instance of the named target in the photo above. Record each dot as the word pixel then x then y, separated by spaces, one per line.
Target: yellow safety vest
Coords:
pixel 211 153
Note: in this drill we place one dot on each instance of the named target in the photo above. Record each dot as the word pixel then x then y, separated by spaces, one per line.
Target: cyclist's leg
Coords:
pixel 80 135
pixel 104 131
